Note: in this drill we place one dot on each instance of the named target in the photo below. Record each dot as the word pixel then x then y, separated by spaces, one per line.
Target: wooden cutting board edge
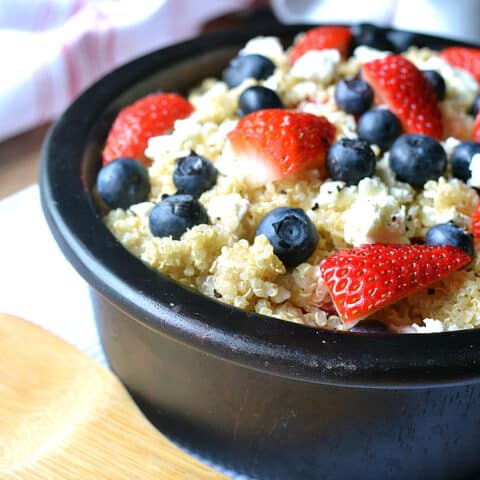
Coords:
pixel 65 417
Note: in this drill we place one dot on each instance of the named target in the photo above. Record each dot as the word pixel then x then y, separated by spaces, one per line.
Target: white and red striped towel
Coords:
pixel 53 49
pixel 50 50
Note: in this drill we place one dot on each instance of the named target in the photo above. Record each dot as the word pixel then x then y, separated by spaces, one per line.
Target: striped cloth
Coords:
pixel 53 49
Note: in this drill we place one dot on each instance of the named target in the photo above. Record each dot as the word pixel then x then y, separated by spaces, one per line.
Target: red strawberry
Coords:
pixel 406 91
pixel 321 38
pixel 365 279
pixel 271 144
pixel 465 58
pixel 476 222
pixel 148 117
pixel 476 129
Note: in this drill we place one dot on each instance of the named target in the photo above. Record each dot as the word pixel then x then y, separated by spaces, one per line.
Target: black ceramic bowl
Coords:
pixel 263 397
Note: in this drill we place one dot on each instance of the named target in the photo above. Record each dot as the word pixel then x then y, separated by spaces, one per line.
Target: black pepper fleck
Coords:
pixel 217 294
pixel 316 206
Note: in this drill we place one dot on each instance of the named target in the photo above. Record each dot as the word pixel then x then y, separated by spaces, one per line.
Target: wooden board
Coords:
pixel 64 417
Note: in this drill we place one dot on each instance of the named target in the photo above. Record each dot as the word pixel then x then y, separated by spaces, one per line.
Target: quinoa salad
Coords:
pixel 355 193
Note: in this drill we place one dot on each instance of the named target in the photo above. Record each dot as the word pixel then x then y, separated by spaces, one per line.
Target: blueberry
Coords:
pixel 353 95
pixel 175 214
pixel 123 182
pixel 450 234
pixel 416 158
pixel 379 126
pixel 257 98
pixel 475 107
pixel 370 326
pixel 371 36
pixel 437 82
pixel 247 66
pixel 194 174
pixel 461 158
pixel 350 160
pixel 401 40
pixel 291 233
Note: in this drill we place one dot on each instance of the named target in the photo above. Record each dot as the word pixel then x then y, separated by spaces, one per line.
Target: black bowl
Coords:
pixel 262 397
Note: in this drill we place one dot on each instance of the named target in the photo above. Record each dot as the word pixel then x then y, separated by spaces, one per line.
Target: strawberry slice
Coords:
pixel 148 117
pixel 476 222
pixel 465 58
pixel 366 279
pixel 274 143
pixel 476 128
pixel 399 84
pixel 321 38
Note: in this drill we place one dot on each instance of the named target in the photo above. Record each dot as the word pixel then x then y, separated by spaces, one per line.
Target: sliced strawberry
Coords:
pixel 476 128
pixel 365 279
pixel 476 222
pixel 321 38
pixel 465 58
pixel 271 144
pixel 399 84
pixel 148 117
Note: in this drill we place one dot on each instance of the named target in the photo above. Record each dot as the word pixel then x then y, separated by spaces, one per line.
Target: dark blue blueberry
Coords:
pixel 417 158
pixel 450 234
pixel 247 66
pixel 401 40
pixel 257 98
pixel 461 158
pixel 175 214
pixel 380 127
pixel 371 36
pixel 353 95
pixel 370 326
pixel 123 182
pixel 194 174
pixel 437 82
pixel 291 233
pixel 350 160
pixel 476 106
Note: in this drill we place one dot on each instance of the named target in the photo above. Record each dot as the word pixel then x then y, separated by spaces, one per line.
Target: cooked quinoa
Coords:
pixel 224 260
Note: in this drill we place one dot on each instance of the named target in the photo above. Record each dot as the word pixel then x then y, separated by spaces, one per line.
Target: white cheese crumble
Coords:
pixel 317 65
pixel 366 54
pixel 229 209
pixel 269 47
pixel 474 181
pixel 142 209
pixel 449 145
pixel 185 134
pixel 430 325
pixel 375 216
pixel 335 195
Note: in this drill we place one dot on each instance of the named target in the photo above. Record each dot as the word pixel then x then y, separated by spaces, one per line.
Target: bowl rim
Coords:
pixel 269 345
